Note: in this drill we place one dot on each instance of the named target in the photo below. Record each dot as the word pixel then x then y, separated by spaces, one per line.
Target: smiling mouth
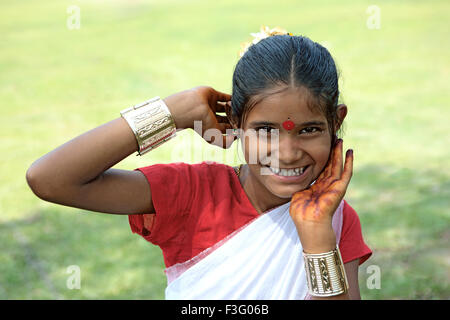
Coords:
pixel 288 172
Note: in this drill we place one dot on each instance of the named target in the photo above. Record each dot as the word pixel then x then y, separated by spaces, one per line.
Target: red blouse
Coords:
pixel 199 204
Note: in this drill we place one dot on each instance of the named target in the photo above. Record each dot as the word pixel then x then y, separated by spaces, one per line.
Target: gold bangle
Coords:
pixel 151 122
pixel 325 274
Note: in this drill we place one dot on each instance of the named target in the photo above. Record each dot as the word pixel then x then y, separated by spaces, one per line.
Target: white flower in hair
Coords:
pixel 264 32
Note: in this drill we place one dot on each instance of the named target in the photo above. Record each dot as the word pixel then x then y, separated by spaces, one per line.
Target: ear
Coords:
pixel 341 114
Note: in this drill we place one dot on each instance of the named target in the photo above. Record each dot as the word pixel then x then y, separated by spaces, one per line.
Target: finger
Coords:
pixel 326 172
pixel 224 107
pixel 348 168
pixel 222 119
pixel 323 174
pixel 221 106
pixel 222 96
pixel 336 169
pixel 330 163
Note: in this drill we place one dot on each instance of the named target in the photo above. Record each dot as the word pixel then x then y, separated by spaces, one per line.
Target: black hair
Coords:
pixel 279 62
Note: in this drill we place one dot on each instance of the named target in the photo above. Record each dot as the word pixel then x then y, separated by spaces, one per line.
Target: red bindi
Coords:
pixel 288 125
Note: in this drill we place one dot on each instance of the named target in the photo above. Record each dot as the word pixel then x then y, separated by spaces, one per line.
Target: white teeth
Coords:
pixel 288 172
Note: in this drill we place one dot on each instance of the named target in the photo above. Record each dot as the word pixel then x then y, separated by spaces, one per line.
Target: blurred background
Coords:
pixel 68 66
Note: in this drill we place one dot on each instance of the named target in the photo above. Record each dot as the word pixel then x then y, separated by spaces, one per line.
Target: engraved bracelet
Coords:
pixel 151 122
pixel 325 274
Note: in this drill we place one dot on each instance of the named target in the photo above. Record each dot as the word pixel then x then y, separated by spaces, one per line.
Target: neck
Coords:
pixel 261 198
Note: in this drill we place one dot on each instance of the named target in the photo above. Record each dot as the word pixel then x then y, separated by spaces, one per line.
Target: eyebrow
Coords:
pixel 307 123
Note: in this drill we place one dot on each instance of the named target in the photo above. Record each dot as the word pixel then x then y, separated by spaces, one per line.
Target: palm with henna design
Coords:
pixel 312 209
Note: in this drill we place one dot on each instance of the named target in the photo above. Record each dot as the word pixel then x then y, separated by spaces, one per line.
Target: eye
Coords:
pixel 267 130
pixel 311 130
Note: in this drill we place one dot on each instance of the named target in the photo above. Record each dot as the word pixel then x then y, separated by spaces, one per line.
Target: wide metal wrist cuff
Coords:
pixel 325 274
pixel 151 122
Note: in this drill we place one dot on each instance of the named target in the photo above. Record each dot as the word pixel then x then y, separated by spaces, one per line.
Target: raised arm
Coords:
pixel 79 173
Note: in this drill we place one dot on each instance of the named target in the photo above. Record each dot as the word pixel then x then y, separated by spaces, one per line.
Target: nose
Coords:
pixel 289 150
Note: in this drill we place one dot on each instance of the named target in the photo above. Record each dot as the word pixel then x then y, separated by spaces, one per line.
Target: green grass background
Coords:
pixel 57 83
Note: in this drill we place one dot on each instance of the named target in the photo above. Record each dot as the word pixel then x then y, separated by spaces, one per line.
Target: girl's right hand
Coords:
pixel 202 104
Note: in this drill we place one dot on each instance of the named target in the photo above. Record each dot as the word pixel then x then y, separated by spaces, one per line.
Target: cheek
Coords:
pixel 320 154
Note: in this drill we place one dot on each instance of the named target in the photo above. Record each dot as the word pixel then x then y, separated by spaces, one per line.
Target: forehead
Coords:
pixel 291 103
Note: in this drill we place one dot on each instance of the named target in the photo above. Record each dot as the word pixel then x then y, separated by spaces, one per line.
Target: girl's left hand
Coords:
pixel 312 209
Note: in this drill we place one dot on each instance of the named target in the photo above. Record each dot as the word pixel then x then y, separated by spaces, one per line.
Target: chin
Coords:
pixel 286 192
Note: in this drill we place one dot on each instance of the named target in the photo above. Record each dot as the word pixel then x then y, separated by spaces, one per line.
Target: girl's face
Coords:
pixel 306 146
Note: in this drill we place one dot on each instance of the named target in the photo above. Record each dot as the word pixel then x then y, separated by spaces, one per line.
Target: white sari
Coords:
pixel 260 261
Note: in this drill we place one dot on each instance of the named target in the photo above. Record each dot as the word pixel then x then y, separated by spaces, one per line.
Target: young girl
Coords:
pixel 276 229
